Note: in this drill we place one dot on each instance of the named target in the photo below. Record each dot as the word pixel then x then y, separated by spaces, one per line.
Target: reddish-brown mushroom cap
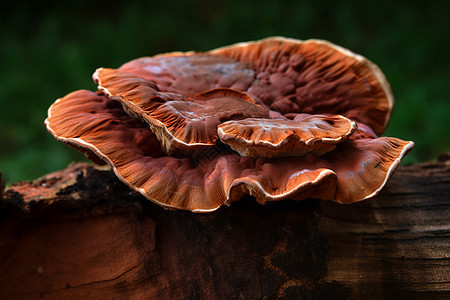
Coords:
pixel 317 134
pixel 97 124
pixel 285 75
pixel 179 122
pixel 256 98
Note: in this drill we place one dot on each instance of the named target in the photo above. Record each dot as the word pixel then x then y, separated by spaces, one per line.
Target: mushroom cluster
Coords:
pixel 275 119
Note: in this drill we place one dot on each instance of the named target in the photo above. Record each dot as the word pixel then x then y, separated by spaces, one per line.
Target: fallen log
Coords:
pixel 79 233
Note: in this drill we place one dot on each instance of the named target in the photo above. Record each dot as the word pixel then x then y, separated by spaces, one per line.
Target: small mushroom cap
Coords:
pixel 356 170
pixel 284 75
pixel 315 134
pixel 182 124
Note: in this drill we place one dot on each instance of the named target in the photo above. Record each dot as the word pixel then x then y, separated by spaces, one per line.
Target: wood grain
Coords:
pixel 81 234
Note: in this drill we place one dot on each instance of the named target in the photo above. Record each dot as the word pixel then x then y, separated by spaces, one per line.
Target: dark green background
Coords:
pixel 50 48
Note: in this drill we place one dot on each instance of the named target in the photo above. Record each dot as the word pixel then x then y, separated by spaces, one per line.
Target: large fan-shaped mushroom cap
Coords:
pixel 285 75
pixel 98 125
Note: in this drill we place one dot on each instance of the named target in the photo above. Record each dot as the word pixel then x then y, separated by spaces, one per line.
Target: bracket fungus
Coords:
pixel 275 119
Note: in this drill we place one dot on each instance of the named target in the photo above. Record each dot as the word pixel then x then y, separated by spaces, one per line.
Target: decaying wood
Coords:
pixel 81 234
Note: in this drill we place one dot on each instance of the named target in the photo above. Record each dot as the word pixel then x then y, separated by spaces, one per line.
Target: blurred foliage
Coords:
pixel 50 48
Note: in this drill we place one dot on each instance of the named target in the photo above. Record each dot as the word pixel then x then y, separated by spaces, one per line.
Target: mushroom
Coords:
pixel 275 119
pixel 255 137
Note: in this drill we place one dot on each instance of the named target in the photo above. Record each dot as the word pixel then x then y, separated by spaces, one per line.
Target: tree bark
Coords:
pixel 81 234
